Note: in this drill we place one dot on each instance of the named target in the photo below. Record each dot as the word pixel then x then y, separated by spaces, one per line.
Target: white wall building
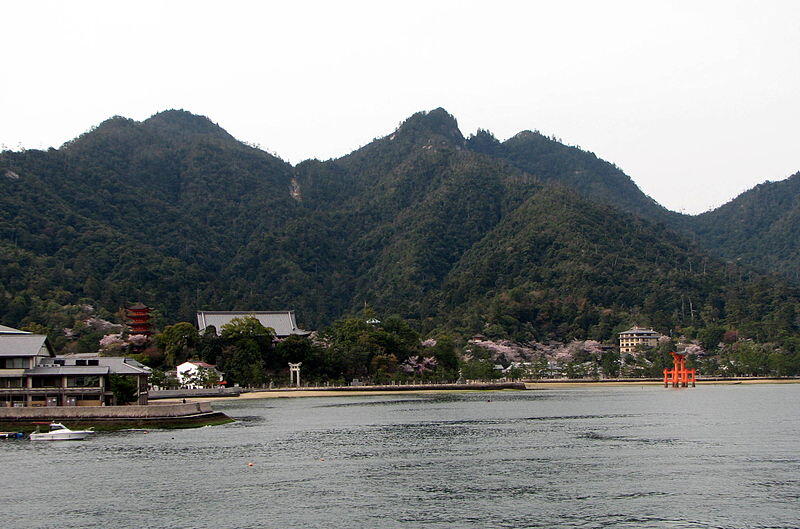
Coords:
pixel 189 372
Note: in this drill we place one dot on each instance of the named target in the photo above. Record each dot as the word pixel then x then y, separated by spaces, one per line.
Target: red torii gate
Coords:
pixel 679 375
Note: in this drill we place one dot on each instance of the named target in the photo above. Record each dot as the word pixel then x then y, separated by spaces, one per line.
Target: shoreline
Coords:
pixel 528 386
pixel 653 382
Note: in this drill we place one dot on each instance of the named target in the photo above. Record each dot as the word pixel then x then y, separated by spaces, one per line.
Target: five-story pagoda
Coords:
pixel 139 319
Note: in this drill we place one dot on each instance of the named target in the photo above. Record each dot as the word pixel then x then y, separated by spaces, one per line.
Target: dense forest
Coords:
pixel 528 240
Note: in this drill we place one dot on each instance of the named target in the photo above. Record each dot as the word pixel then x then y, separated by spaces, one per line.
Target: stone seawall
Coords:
pixel 193 393
pixel 152 411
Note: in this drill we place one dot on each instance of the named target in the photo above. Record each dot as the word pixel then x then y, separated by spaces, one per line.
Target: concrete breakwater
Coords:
pixel 117 417
pixel 194 393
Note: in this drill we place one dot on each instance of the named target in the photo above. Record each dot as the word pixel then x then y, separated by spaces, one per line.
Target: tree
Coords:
pixel 293 349
pixel 609 361
pixel 353 342
pixel 246 328
pixel 179 342
pixel 160 379
pixel 383 367
pixel 202 377
pixel 445 353
pixel 245 355
pixel 710 336
pixel 242 363
pixel 479 370
pixel 210 346
pixel 124 388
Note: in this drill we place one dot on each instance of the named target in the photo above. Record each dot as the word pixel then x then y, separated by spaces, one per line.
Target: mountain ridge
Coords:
pixel 527 237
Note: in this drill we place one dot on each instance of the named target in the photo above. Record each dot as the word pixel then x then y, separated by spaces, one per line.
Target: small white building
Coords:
pixel 189 374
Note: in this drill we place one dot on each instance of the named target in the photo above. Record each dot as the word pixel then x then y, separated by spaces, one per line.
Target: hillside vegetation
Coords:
pixel 525 239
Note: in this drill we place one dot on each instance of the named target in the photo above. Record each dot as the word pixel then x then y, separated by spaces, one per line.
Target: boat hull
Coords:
pixel 60 436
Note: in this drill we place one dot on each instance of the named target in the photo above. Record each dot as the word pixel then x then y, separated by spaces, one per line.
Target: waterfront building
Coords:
pixel 637 336
pixel 32 375
pixel 282 321
pixel 189 373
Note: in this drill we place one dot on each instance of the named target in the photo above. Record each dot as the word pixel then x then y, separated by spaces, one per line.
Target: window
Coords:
pixel 46 382
pixel 13 363
pixel 11 382
pixel 83 382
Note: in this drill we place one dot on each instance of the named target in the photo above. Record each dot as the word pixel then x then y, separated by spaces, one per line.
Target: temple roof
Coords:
pixel 282 322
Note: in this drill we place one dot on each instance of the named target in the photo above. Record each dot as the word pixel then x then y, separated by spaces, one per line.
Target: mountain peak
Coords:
pixel 437 121
pixel 183 122
pixel 484 141
pixel 526 135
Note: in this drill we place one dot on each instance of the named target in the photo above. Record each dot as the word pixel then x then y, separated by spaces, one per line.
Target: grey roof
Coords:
pixel 11 330
pixel 282 322
pixel 68 370
pixel 639 330
pixel 124 366
pixel 24 345
pixel 116 365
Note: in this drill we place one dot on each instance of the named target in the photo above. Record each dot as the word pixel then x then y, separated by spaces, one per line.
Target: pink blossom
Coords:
pixel 137 339
pixel 111 340
pixel 101 324
pixel 416 365
pixel 694 349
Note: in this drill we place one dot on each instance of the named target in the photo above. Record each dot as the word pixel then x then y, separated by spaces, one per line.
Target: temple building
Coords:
pixel 32 375
pixel 632 338
pixel 282 322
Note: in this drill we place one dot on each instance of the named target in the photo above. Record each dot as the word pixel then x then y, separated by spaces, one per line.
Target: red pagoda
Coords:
pixel 139 316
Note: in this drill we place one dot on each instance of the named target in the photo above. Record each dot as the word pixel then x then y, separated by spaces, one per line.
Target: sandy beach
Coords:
pixel 288 393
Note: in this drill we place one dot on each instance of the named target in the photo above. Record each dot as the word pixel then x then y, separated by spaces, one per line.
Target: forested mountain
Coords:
pixel 527 238
pixel 760 227
pixel 581 171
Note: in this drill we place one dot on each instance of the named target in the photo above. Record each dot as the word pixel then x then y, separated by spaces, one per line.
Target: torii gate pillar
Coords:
pixel 294 372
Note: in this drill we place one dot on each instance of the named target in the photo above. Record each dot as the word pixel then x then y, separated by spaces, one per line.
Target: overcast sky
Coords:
pixel 696 101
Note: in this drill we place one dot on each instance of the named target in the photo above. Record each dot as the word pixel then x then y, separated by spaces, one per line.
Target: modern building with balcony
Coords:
pixel 637 336
pixel 32 375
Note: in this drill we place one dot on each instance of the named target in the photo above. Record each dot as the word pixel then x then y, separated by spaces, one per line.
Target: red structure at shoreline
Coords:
pixel 679 376
pixel 139 316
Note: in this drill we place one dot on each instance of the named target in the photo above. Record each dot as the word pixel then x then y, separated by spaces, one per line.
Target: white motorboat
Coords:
pixel 59 432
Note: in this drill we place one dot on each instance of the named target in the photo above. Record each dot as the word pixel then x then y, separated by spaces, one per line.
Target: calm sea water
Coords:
pixel 712 456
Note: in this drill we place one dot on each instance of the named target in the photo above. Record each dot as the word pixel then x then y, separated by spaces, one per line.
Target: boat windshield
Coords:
pixel 54 427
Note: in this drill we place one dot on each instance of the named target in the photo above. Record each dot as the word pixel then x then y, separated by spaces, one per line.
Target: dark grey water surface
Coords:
pixel 713 456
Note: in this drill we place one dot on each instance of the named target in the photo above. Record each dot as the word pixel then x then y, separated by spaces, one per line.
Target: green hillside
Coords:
pixel 760 228
pixel 527 238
